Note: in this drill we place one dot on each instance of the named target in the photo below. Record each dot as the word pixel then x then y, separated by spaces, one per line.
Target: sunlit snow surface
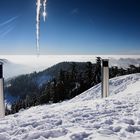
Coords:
pixel 86 117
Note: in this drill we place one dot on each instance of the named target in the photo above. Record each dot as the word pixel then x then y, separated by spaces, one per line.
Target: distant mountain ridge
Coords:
pixel 65 66
pixel 28 84
pixel 60 82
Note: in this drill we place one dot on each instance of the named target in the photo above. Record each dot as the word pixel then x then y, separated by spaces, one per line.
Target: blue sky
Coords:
pixel 72 27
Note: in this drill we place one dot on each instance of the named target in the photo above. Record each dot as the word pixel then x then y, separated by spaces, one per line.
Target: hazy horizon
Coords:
pixel 23 64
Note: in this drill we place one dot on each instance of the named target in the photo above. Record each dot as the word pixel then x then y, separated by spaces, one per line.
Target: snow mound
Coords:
pixel 86 117
pixel 116 85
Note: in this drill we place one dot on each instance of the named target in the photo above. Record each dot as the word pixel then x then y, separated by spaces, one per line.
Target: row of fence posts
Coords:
pixel 105 84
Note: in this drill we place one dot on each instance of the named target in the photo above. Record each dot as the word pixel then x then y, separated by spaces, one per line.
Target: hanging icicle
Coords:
pixel 38 16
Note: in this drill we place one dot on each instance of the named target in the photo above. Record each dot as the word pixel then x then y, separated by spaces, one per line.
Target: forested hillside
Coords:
pixel 58 83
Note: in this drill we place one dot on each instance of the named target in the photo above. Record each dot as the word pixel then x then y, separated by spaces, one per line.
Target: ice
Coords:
pixel 85 117
pixel 39 4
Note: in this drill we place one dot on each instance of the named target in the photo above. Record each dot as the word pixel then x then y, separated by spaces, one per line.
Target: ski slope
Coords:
pixel 85 117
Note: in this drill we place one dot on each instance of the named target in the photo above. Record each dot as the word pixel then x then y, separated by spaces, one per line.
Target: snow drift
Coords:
pixel 86 117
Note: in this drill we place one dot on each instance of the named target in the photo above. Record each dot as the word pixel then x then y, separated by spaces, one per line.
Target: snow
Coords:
pixel 85 117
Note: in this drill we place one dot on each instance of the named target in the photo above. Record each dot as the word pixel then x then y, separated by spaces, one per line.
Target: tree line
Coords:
pixel 67 85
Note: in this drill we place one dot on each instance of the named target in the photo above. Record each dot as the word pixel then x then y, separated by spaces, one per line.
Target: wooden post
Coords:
pixel 2 106
pixel 105 78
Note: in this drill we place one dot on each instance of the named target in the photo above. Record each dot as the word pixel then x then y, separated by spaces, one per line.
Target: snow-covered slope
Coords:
pixel 116 85
pixel 86 117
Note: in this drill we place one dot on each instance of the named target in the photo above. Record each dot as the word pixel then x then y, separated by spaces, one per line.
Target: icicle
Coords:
pixel 44 12
pixel 38 14
pixel 38 24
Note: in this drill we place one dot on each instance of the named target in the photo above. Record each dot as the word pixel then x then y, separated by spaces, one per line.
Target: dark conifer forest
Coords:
pixel 59 83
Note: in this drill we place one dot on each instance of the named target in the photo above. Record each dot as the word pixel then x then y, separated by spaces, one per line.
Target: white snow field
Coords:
pixel 86 117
